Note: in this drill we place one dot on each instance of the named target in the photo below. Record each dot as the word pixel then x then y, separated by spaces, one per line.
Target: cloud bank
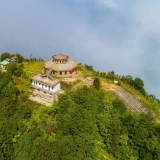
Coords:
pixel 118 35
pixel 108 3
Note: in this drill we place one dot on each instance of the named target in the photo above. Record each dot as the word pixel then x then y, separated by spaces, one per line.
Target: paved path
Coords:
pixel 131 102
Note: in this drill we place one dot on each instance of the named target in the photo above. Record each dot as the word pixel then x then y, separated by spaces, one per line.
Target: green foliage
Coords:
pixel 129 137
pixel 80 67
pixel 85 123
pixel 110 75
pixel 32 68
pixel 96 83
pixel 76 122
pixel 66 86
pixel 15 69
pixel 7 87
pixel 8 55
pixel 81 125
pixel 5 55
pixel 138 84
pixel 119 106
pixel 20 58
pixel 89 68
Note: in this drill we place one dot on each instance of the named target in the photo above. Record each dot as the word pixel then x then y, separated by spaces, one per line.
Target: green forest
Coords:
pixel 86 123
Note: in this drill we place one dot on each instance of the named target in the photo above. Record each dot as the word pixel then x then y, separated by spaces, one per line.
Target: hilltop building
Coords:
pixel 46 87
pixel 45 83
pixel 8 61
pixel 60 66
pixel 4 63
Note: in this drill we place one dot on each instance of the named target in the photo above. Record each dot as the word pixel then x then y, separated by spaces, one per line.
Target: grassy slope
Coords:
pixel 32 68
pixel 109 85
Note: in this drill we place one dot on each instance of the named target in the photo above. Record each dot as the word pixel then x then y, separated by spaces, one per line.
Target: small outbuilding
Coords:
pixel 4 63
pixel 8 61
pixel 14 59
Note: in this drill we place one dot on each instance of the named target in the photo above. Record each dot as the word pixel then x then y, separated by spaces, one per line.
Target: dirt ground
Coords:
pixel 80 82
pixel 89 81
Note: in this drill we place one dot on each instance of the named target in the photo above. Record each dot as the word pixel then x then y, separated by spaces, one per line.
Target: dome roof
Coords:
pixel 60 57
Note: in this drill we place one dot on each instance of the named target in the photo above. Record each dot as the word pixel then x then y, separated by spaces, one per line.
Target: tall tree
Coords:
pixel 15 69
pixel 19 58
pixel 5 55
pixel 96 83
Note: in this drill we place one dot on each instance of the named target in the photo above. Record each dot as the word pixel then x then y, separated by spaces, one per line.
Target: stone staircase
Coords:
pixel 40 100
pixel 130 102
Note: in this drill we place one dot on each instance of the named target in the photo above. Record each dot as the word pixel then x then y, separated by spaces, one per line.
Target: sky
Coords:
pixel 118 35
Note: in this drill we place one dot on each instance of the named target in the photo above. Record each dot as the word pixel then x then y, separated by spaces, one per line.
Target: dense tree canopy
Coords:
pixel 138 83
pixel 19 58
pixel 96 83
pixel 5 55
pixel 85 124
pixel 15 69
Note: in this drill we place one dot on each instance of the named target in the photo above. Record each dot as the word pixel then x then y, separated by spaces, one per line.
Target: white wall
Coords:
pixel 39 84
pixel 57 87
pixel 47 87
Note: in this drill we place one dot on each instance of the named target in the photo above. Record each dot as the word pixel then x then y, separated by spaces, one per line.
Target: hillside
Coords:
pixel 85 123
pixel 131 103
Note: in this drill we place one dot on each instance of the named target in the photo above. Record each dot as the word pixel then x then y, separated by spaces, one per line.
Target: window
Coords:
pixel 65 72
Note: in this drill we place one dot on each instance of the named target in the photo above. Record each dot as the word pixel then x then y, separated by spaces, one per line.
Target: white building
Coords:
pixel 45 84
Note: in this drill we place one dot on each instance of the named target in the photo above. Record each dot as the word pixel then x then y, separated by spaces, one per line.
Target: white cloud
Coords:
pixel 126 40
pixel 108 3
